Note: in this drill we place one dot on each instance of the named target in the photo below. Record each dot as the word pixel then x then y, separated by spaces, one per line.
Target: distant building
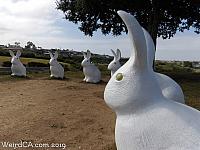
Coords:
pixel 196 64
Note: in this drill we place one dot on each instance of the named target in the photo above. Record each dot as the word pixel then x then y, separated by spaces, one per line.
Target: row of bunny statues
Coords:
pixel 91 72
pixel 18 69
pixel 148 105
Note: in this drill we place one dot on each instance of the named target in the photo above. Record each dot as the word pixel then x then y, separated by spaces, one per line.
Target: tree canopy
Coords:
pixel 162 18
pixel 30 45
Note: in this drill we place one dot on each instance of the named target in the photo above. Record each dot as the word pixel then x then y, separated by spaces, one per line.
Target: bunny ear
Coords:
pixel 56 55
pixel 88 54
pixel 150 47
pixel 114 54
pixel 118 54
pixel 18 54
pixel 139 53
pixel 51 55
pixel 84 54
pixel 11 53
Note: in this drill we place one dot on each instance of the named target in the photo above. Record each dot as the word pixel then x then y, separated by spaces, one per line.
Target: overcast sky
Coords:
pixel 38 21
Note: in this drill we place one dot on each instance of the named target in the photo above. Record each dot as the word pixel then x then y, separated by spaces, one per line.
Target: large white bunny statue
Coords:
pixel 145 119
pixel 115 64
pixel 170 89
pixel 91 72
pixel 57 71
pixel 17 67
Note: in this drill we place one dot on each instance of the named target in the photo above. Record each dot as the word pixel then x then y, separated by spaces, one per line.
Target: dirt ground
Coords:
pixel 55 111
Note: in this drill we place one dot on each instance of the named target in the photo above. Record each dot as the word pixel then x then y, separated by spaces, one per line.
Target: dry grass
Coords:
pixel 192 93
pixel 63 111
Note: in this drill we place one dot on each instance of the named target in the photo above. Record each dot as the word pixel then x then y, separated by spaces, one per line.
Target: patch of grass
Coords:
pixel 190 83
pixel 11 78
pixel 4 58
pixel 74 74
pixel 39 74
pixel 191 91
pixel 24 60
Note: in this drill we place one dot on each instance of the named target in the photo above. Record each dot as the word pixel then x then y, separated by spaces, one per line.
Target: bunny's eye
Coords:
pixel 119 76
pixel 115 63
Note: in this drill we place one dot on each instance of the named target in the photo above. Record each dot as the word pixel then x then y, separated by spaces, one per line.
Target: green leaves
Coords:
pixel 161 18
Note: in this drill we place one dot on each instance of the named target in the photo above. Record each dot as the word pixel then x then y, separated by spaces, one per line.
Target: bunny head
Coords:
pixel 86 60
pixel 53 60
pixel 15 59
pixel 132 86
pixel 115 64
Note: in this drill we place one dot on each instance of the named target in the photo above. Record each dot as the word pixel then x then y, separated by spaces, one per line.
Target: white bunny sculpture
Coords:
pixel 170 89
pixel 91 72
pixel 145 119
pixel 17 67
pixel 57 71
pixel 115 64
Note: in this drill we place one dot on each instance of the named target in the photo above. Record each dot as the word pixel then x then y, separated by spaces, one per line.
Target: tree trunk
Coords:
pixel 153 24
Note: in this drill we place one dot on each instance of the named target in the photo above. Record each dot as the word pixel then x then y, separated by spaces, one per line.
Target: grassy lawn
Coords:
pixel 24 60
pixel 27 60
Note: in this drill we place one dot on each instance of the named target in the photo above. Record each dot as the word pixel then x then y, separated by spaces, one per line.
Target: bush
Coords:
pixel 181 69
pixel 104 69
pixel 187 64
pixel 4 52
pixel 28 54
pixel 37 64
pixel 6 64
